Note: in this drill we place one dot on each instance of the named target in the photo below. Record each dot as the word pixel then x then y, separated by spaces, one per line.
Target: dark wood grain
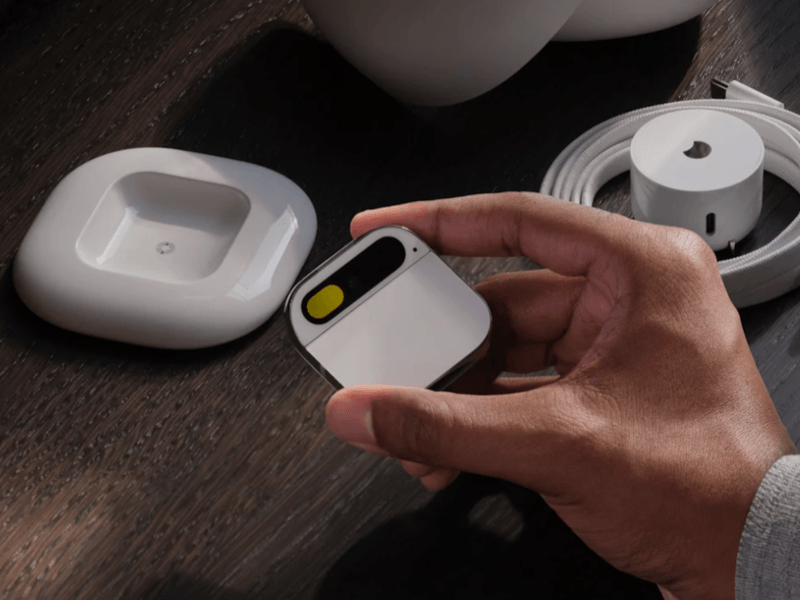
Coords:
pixel 134 473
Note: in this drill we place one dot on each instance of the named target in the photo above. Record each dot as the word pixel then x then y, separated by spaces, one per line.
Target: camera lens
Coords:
pixel 355 279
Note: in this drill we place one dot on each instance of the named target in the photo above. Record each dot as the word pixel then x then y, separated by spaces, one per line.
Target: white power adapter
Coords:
pixel 699 169
pixel 714 194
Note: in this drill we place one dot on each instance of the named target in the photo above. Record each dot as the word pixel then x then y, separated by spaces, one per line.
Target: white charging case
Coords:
pixel 165 248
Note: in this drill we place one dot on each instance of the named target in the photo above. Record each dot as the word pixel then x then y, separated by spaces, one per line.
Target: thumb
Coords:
pixel 490 435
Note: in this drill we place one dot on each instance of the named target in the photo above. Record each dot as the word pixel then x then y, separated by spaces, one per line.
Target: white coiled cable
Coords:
pixel 604 152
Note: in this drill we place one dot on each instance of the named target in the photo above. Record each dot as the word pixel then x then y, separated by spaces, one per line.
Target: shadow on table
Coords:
pixel 479 539
pixel 180 587
pixel 440 552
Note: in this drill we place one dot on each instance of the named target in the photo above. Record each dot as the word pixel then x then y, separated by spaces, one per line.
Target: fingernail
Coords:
pixel 350 419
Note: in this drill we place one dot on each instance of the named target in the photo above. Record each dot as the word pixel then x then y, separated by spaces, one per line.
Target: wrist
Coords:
pixel 716 557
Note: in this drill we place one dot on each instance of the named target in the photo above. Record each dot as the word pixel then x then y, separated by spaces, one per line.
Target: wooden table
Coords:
pixel 135 473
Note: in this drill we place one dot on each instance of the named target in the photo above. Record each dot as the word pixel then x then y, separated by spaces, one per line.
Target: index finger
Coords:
pixel 558 235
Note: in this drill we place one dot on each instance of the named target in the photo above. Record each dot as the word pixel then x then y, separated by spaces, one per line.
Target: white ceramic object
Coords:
pixel 439 52
pixel 165 248
pixel 605 19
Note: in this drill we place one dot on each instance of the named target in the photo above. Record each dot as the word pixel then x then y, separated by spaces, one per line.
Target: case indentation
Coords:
pixel 163 227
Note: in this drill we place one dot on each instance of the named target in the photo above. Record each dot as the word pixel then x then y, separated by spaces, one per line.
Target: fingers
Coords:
pixel 530 312
pixel 416 469
pixel 510 437
pixel 563 237
pixel 440 479
pixel 433 478
pixel 518 385
pixel 500 386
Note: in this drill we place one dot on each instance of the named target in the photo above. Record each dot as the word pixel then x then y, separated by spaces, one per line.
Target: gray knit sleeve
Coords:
pixel 768 565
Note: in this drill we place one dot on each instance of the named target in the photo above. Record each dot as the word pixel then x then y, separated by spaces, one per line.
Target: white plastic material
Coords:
pixel 419 325
pixel 165 248
pixel 605 19
pixel 736 90
pixel 439 52
pixel 604 152
pixel 701 170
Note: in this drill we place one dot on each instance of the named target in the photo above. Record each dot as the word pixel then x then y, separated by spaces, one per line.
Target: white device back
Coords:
pixel 421 326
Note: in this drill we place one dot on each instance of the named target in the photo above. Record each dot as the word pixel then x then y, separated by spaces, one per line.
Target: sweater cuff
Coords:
pixel 768 564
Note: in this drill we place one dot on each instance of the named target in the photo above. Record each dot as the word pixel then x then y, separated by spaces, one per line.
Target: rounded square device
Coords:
pixel 386 310
pixel 165 248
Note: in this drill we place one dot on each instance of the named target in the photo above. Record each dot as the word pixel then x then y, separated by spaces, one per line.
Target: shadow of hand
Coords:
pixel 460 546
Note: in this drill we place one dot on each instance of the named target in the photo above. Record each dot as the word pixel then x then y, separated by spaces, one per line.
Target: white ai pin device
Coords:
pixel 386 310
pixel 165 248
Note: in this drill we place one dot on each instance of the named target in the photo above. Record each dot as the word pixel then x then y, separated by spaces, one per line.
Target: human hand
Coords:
pixel 653 441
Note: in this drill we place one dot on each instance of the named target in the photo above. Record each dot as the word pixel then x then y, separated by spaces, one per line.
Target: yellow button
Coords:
pixel 325 301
